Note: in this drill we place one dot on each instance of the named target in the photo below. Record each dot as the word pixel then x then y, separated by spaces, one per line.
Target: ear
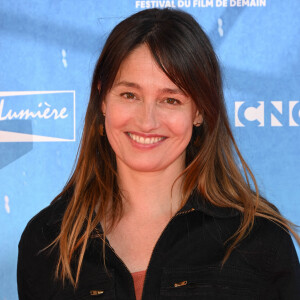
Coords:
pixel 103 107
pixel 198 120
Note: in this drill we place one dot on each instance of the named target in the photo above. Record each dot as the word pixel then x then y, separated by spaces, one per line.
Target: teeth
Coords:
pixel 142 140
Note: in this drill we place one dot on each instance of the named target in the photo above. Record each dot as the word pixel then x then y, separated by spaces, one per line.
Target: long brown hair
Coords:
pixel 185 54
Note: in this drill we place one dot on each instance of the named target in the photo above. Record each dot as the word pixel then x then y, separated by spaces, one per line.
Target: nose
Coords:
pixel 148 119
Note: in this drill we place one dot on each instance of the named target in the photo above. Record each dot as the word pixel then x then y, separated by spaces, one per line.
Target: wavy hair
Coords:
pixel 183 51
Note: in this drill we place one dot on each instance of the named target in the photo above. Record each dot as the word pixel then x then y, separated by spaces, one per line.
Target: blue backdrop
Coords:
pixel 48 50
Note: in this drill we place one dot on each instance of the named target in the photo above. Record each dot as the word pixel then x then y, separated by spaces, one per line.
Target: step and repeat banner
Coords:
pixel 48 50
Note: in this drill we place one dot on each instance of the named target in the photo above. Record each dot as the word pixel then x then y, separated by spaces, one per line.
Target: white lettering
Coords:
pixel 203 3
pixel 210 3
pixel 274 121
pixel 198 3
pixel 293 110
pixel 6 201
pixel 273 113
pixel 219 3
pixel 168 4
pixel 47 113
pixel 253 113
pixel 186 3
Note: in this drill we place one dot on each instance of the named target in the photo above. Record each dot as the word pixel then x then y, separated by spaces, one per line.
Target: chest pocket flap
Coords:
pixel 210 282
pixel 96 287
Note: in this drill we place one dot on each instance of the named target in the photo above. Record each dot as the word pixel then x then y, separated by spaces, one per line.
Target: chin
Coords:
pixel 145 167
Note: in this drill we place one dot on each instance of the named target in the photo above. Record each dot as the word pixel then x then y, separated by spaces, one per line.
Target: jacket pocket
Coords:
pixel 96 287
pixel 209 283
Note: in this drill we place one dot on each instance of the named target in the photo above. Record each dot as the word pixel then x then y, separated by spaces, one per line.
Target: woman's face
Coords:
pixel 149 120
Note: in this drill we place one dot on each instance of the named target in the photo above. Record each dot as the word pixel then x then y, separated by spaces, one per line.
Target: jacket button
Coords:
pixel 96 292
pixel 182 283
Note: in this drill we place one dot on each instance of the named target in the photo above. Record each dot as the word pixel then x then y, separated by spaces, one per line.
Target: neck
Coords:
pixel 150 194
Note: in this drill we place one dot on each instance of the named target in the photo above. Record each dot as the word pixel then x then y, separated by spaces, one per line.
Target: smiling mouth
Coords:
pixel 145 140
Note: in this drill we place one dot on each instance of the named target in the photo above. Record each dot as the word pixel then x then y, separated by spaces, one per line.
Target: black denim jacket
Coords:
pixel 185 263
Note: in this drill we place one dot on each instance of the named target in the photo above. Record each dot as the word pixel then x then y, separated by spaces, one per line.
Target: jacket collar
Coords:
pixel 195 201
pixel 199 203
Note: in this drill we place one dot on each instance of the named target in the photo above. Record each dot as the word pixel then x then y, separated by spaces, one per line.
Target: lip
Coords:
pixel 145 135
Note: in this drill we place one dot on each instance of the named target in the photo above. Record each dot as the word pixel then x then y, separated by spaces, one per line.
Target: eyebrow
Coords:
pixel 137 86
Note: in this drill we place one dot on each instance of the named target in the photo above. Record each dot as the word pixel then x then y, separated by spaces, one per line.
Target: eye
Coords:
pixel 172 101
pixel 128 95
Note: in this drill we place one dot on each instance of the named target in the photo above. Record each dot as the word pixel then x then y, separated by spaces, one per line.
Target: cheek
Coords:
pixel 181 125
pixel 116 117
pixel 114 125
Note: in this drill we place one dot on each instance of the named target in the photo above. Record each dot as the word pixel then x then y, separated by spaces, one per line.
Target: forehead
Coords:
pixel 141 68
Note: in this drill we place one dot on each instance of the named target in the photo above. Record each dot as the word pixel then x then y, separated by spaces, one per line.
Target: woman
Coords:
pixel 157 207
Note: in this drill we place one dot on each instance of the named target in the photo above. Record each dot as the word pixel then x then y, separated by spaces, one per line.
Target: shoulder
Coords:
pixel 269 246
pixel 36 261
pixel 280 239
pixel 265 233
pixel 279 255
pixel 44 226
pixel 270 233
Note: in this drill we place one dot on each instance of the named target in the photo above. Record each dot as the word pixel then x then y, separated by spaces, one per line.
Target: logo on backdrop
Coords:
pixel 265 114
pixel 37 116
pixel 199 3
